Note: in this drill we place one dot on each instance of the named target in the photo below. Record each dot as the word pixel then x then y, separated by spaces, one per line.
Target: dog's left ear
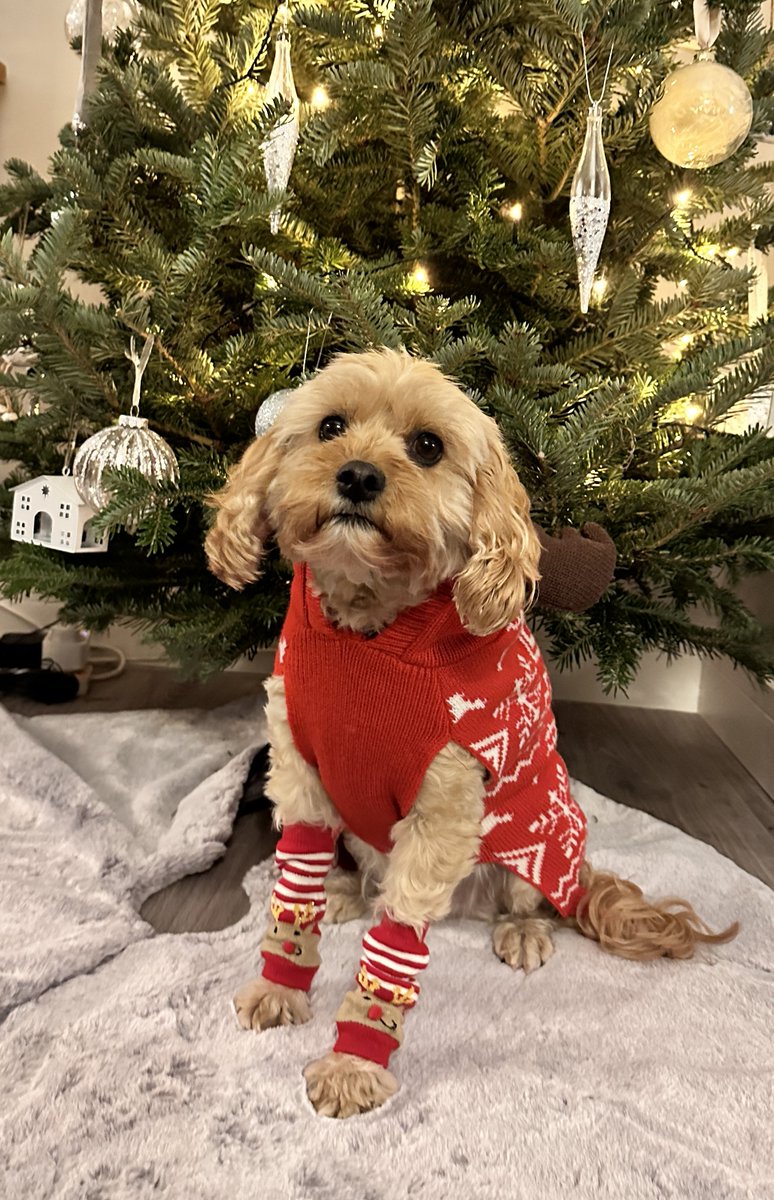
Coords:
pixel 502 569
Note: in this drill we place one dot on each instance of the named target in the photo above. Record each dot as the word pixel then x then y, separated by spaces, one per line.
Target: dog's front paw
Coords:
pixel 341 1085
pixel 262 1004
pixel 524 942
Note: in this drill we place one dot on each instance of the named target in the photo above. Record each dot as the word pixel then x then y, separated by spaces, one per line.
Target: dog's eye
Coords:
pixel 332 427
pixel 425 448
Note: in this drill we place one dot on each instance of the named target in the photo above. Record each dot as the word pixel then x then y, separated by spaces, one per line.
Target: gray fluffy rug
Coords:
pixel 124 1073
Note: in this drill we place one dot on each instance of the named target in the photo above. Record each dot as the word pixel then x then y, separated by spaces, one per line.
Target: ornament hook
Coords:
pixel 706 22
pixel 140 362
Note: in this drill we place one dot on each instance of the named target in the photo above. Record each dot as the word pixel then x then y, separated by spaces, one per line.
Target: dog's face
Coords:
pixel 380 467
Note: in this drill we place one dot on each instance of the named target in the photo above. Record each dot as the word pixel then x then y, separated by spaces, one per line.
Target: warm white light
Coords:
pixel 711 251
pixel 378 31
pixel 420 277
pixel 732 253
pixel 683 283
pixel 320 98
pixel 515 211
pixel 685 339
pixel 693 412
pixel 251 88
pixel 683 198
pixel 599 287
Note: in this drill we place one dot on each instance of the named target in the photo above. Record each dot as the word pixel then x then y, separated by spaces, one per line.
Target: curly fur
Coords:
pixel 465 518
pixel 616 914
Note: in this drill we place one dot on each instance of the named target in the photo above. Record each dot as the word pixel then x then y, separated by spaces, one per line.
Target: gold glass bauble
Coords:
pixel 703 115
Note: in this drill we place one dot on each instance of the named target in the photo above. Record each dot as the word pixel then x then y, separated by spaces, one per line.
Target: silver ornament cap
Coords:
pixel 270 409
pixel 130 443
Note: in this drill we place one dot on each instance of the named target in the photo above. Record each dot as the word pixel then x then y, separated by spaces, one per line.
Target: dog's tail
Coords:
pixel 615 913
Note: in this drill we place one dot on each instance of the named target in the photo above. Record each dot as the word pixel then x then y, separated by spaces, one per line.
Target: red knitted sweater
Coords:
pixel 372 713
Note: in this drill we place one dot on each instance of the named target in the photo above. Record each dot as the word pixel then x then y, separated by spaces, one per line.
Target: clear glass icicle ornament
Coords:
pixel 590 204
pixel 590 195
pixel 279 149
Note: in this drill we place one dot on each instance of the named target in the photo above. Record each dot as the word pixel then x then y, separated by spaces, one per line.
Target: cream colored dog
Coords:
pixel 449 506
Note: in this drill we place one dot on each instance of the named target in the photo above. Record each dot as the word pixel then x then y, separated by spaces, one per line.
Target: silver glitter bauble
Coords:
pixel 116 14
pixel 270 409
pixel 590 204
pixel 130 443
pixel 279 149
pixel 703 116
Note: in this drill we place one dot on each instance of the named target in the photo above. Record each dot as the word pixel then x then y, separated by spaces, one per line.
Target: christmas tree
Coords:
pixel 427 207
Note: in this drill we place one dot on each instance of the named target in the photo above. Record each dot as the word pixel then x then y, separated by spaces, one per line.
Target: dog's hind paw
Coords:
pixel 524 942
pixel 341 1085
pixel 345 899
pixel 262 1004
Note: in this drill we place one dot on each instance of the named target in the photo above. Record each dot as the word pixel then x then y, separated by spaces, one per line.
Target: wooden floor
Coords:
pixel 668 764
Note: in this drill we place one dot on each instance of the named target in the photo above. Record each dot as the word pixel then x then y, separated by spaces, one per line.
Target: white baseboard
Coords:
pixel 659 684
pixel 742 715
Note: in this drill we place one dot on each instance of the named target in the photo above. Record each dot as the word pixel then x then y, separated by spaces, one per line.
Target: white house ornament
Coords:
pixel 279 149
pixel 270 409
pixel 48 511
pixel 590 204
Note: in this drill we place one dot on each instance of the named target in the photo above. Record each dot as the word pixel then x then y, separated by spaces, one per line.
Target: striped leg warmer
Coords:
pixel 370 1019
pixel 290 952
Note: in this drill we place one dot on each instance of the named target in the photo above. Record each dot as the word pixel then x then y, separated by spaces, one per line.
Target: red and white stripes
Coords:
pixel 392 957
pixel 299 893
pixel 304 856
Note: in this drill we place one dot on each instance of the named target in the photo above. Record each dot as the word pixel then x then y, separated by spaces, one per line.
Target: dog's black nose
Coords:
pixel 360 482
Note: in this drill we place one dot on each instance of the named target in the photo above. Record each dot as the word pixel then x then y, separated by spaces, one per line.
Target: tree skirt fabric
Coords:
pixel 124 1073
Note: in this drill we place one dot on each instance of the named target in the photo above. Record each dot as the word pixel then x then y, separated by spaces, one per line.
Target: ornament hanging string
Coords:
pixel 322 343
pixel 91 52
pixel 140 362
pixel 70 451
pixel 592 101
pixel 707 23
pixel 251 70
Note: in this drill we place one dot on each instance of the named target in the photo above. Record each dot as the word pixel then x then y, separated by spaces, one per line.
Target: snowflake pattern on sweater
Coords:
pixel 371 714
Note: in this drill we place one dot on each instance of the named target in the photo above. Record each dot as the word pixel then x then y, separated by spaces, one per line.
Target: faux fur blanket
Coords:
pixel 124 1073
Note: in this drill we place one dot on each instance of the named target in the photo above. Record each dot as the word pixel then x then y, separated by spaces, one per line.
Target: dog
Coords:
pixel 409 713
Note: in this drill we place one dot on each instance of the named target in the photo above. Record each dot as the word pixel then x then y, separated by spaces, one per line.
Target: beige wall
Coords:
pixel 38 98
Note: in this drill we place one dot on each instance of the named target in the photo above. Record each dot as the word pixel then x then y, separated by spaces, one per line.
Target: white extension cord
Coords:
pixel 69 647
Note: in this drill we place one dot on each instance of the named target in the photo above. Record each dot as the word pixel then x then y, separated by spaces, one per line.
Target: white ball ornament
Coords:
pixel 703 115
pixel 270 409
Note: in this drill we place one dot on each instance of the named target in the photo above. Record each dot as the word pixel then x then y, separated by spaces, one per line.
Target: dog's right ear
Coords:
pixel 235 543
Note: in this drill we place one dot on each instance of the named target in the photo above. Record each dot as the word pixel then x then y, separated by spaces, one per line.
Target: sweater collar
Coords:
pixel 427 633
